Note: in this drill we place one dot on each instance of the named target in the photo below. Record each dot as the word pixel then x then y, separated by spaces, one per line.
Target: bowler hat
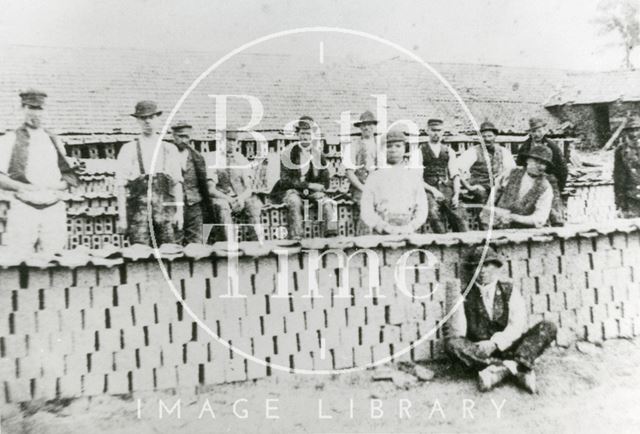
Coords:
pixel 305 123
pixel 475 256
pixel 536 123
pixel 488 126
pixel 540 152
pixel 395 136
pixel 33 98
pixel 366 118
pixel 146 108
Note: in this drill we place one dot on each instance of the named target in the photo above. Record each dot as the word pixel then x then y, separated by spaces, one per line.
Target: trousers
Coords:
pixel 29 228
pixel 439 211
pixel 295 203
pixel 251 207
pixel 524 351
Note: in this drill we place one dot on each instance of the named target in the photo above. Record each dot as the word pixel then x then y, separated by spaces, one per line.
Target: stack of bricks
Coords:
pixel 92 330
pixel 590 202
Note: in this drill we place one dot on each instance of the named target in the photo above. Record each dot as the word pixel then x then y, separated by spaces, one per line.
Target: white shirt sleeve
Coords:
pixel 454 169
pixel 124 162
pixel 516 323
pixel 508 161
pixel 422 209
pixel 466 160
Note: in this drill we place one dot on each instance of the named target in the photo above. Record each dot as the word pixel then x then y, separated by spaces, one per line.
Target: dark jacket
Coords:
pixel 626 175
pixel 201 177
pixel 558 166
pixel 292 179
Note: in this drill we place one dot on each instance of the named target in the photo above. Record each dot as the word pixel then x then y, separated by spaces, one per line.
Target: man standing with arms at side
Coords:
pixel 196 183
pixel 441 181
pixel 34 168
pixel 132 183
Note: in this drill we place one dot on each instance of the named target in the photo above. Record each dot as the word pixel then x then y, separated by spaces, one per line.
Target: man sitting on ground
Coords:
pixel 490 334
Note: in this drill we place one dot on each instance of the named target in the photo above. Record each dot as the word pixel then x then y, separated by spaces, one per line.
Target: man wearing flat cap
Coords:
pixel 524 196
pixel 626 170
pixel 234 193
pixel 304 176
pixel 557 170
pixel 393 198
pixel 475 165
pixel 489 332
pixel 134 168
pixel 363 155
pixel 441 180
pixel 196 184
pixel 34 168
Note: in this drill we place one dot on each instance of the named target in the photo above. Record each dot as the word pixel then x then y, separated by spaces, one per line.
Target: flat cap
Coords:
pixel 180 126
pixel 475 256
pixel 434 121
pixel 33 98
pixel 395 136
pixel 305 123
pixel 633 123
pixel 488 126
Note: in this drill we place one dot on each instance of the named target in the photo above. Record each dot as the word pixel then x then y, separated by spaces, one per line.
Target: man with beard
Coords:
pixel 557 169
pixel 33 167
pixel 473 162
pixel 196 185
pixel 524 196
pixel 626 171
pixel 490 335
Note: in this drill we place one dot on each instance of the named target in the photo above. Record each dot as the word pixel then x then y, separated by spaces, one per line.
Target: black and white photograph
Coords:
pixel 286 216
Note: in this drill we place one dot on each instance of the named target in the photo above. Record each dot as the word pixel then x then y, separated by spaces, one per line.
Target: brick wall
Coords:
pixel 91 330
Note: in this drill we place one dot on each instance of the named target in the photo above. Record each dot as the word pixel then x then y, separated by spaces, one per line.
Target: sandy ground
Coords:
pixel 597 391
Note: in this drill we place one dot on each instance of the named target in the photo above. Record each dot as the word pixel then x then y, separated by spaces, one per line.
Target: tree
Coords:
pixel 621 18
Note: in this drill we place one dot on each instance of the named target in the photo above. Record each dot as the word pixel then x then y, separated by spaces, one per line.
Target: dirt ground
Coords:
pixel 593 391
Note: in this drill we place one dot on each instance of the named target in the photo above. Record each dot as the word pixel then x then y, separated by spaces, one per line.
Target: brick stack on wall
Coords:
pixel 113 326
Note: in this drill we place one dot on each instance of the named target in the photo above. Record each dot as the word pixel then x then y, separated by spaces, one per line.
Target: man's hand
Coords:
pixel 315 186
pixel 484 349
pixel 476 187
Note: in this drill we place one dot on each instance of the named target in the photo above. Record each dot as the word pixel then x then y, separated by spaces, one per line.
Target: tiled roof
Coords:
pixel 92 91
pixel 597 87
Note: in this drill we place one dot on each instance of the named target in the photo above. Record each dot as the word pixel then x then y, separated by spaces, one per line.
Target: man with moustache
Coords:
pixel 473 162
pixel 441 181
pixel 489 334
pixel 393 198
pixel 196 185
pixel 35 170
pixel 626 170
pixel 304 176
pixel 557 170
pixel 132 183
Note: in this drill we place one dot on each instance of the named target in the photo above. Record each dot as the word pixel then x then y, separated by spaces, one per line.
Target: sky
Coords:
pixel 541 33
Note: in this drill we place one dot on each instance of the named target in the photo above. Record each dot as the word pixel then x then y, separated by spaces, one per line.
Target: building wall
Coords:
pixel 92 330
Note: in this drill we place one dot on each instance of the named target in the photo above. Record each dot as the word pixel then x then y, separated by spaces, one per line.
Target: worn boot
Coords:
pixel 491 376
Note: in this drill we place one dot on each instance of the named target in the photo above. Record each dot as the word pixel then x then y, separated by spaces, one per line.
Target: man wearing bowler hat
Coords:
pixel 304 176
pixel 196 185
pixel 363 155
pixel 393 198
pixel 134 168
pixel 441 180
pixel 524 196
pixel 557 169
pixel 490 334
pixel 35 170
pixel 626 170
pixel 473 163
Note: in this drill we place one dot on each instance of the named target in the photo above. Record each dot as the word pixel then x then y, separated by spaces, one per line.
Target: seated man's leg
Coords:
pixel 253 210
pixel 293 201
pixel 532 344
pixel 223 218
pixel 435 216
pixel 329 209
pixel 463 350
